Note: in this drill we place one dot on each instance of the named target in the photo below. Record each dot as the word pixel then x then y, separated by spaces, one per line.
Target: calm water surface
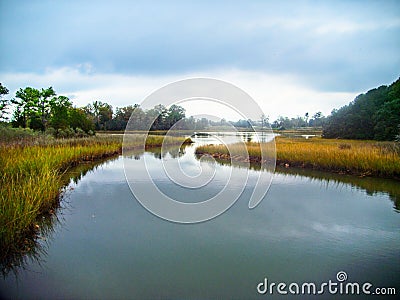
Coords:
pixel 309 226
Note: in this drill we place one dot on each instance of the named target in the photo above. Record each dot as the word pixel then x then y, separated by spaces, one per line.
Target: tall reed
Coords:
pixel 349 156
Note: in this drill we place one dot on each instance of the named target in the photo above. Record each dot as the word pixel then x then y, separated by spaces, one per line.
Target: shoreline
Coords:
pixel 358 158
pixel 295 165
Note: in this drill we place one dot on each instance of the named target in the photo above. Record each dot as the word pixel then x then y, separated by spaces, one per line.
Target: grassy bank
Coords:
pixel 31 179
pixel 366 158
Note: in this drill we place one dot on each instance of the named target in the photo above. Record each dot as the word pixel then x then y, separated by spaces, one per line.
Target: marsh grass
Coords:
pixel 364 158
pixel 31 179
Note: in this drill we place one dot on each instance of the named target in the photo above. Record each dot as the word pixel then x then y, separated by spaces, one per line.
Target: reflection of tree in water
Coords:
pixel 174 151
pixel 33 247
pixel 247 137
pixel 371 185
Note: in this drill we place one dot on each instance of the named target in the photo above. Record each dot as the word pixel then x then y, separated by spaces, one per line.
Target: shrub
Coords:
pixel 80 133
pixel 51 131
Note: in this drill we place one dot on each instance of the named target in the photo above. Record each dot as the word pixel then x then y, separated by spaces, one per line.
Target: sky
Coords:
pixel 291 57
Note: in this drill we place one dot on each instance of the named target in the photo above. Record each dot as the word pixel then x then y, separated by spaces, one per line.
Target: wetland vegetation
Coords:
pixel 365 158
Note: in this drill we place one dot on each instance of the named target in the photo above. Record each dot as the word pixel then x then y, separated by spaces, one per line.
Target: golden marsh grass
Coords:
pixel 347 156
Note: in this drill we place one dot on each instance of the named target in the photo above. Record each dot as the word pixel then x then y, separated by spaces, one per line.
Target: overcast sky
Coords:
pixel 292 57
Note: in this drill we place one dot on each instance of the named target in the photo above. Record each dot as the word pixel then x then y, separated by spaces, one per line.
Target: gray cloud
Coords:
pixel 332 46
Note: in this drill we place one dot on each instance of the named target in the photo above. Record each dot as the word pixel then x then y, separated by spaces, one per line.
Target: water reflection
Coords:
pixel 172 150
pixel 103 244
pixel 39 242
pixel 34 247
pixel 371 185
pixel 35 244
pixel 211 137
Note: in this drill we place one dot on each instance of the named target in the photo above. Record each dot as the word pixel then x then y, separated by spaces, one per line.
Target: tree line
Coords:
pixel 46 111
pixel 374 115
pixel 317 120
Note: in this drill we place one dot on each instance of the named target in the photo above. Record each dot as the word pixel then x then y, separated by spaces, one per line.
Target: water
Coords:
pixel 310 226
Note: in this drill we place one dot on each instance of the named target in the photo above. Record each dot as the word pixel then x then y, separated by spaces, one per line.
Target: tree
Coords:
pixel 284 123
pixel 44 105
pixel 78 119
pixel 105 115
pixel 121 118
pixel 306 116
pixel 95 108
pixel 60 107
pixel 175 113
pixel 373 115
pixel 25 113
pixel 138 118
pixel 102 113
pixel 317 119
pixel 4 103
pixel 124 113
pixel 159 114
pixel 264 121
pixel 386 119
pixel 300 122
pixel 203 123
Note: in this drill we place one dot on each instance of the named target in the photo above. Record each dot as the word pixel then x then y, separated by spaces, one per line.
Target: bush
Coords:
pixel 30 136
pixel 8 134
pixel 51 131
pixel 71 133
pixel 65 133
pixel 80 133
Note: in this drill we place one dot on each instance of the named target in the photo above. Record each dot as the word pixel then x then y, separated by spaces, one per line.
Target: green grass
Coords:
pixel 347 156
pixel 31 178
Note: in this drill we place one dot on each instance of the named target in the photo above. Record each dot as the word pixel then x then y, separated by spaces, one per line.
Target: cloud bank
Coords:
pixel 301 56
